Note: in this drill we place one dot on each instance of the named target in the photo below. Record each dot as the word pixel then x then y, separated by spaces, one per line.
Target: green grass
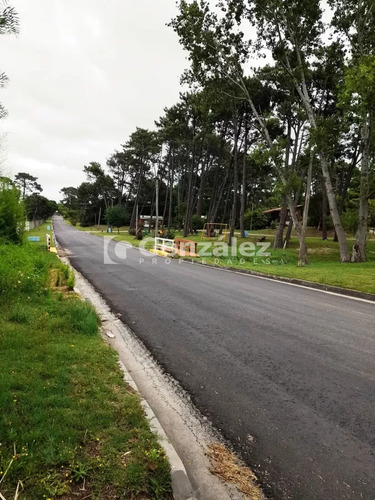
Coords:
pixel 67 419
pixel 41 231
pixel 325 266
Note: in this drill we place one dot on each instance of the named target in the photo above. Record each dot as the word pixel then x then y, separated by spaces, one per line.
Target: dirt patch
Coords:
pixel 321 251
pixel 78 492
pixel 229 468
pixel 63 252
pixel 57 283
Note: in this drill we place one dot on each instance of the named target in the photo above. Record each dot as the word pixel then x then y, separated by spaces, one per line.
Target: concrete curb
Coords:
pixel 182 488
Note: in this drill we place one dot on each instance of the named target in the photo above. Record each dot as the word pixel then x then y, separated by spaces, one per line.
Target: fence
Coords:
pixel 33 224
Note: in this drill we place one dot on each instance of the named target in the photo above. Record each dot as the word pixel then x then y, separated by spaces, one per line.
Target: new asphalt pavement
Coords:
pixel 287 374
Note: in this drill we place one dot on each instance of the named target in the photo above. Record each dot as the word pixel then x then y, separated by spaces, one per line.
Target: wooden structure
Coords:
pixel 274 213
pixel 178 246
pixel 185 248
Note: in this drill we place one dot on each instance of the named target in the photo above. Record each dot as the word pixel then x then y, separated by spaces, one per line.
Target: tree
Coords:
pixel 292 32
pixel 142 150
pixel 12 214
pixel 355 21
pixel 103 183
pixel 70 200
pixel 39 207
pixel 218 50
pixel 116 216
pixel 27 184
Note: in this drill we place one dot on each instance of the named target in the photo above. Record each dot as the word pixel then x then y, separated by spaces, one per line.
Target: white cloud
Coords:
pixel 83 75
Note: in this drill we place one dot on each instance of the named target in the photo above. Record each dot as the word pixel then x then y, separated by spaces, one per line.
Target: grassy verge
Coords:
pixel 325 266
pixel 69 426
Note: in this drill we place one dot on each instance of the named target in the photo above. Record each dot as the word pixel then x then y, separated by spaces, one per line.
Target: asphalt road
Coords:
pixel 286 373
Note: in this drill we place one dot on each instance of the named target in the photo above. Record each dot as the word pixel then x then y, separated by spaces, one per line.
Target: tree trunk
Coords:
pixel 243 190
pixel 237 129
pixel 133 217
pixel 332 202
pixel 189 198
pixel 288 234
pixel 279 239
pixel 359 247
pixel 171 190
pixel 205 167
pixel 324 212
pixel 303 257
pixel 336 219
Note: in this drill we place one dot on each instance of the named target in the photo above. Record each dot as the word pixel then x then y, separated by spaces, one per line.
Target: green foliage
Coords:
pixel 180 211
pixel 27 184
pixel 39 207
pixel 170 233
pixel 12 215
pixel 358 90
pixel 197 223
pixel 72 217
pixel 116 216
pixel 350 220
pixel 372 213
pixel 255 219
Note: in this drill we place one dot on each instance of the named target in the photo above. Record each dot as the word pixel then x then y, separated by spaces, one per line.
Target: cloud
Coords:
pixel 83 75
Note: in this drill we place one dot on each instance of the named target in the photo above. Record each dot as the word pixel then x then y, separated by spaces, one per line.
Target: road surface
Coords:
pixel 286 373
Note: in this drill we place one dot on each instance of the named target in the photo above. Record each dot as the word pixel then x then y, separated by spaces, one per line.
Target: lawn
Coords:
pixel 69 425
pixel 325 266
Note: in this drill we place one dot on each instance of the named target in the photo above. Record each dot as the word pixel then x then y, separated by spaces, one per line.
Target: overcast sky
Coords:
pixel 83 74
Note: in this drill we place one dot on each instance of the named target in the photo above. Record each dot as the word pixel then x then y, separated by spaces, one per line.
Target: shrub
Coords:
pixel 197 223
pixel 73 217
pixel 350 220
pixel 256 219
pixel 170 234
pixel 116 216
pixel 12 214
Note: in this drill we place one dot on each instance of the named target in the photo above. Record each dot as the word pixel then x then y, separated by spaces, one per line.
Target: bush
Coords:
pixel 73 217
pixel 116 216
pixel 255 219
pixel 197 223
pixel 350 220
pixel 12 214
pixel 170 234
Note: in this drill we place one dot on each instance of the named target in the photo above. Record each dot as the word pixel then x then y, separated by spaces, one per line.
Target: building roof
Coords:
pixel 277 209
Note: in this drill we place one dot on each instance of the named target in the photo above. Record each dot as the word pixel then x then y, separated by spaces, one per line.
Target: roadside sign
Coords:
pixel 48 228
pixel 33 238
